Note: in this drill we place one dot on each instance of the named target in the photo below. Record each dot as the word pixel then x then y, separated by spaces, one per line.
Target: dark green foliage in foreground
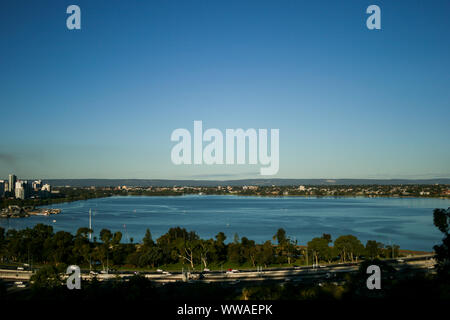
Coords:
pixel 2 290
pixel 47 277
pixel 442 222
pixel 395 287
pixel 135 288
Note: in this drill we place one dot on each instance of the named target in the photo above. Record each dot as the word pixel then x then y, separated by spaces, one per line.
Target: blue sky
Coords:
pixel 101 102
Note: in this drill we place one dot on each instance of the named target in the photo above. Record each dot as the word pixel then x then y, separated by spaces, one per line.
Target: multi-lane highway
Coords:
pixel 323 272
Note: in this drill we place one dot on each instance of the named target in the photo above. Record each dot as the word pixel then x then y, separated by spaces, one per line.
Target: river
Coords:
pixel 407 222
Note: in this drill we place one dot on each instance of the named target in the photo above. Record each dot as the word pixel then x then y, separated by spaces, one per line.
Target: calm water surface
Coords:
pixel 407 222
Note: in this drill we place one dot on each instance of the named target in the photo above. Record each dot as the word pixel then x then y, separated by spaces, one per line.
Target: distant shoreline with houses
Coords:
pixel 21 198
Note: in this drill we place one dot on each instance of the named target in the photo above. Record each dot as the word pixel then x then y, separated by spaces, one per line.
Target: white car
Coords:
pixel 232 271
pixel 206 270
pixel 159 270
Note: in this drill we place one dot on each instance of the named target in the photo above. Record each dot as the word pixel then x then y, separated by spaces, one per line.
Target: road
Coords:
pixel 326 272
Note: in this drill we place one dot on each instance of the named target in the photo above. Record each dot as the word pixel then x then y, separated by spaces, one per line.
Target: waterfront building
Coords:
pixel 12 183
pixel 19 190
pixel 37 185
pixel 46 187
pixel 28 188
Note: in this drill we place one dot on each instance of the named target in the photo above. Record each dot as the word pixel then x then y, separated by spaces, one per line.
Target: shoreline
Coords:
pixel 257 196
pixel 57 201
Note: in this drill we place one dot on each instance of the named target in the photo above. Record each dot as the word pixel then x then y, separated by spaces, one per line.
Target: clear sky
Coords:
pixel 101 102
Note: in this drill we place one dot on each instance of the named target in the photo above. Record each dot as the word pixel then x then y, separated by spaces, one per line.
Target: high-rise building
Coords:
pixel 28 188
pixel 2 188
pixel 12 183
pixel 20 190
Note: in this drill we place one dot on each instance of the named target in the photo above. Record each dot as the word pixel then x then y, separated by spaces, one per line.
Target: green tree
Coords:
pixel 234 253
pixel 327 237
pixel 374 249
pixel 441 219
pixel 248 250
pixel 319 249
pixel 286 247
pixel 348 246
pixel 47 277
pixel 264 255
pixel 206 249
pixel 148 241
pixel 392 251
pixel 236 238
pixel 61 247
pixel 220 248
pixel 106 236
pixel 280 237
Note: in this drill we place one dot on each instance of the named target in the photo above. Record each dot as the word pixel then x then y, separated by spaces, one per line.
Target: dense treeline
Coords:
pixel 397 285
pixel 41 245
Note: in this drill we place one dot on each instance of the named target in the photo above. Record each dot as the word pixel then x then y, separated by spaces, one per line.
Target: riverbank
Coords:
pixel 67 195
pixel 14 211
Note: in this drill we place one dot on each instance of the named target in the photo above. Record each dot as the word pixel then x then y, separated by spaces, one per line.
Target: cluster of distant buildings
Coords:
pixel 22 189
pixel 429 190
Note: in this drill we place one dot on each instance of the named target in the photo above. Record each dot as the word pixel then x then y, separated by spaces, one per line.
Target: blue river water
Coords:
pixel 407 222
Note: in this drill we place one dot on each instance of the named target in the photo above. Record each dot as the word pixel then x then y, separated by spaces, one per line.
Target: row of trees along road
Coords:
pixel 40 245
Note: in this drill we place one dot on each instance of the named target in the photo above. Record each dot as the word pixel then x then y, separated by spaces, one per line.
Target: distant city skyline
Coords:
pixel 101 102
pixel 20 188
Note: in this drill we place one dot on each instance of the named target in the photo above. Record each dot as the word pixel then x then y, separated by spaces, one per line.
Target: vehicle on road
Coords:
pixel 230 271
